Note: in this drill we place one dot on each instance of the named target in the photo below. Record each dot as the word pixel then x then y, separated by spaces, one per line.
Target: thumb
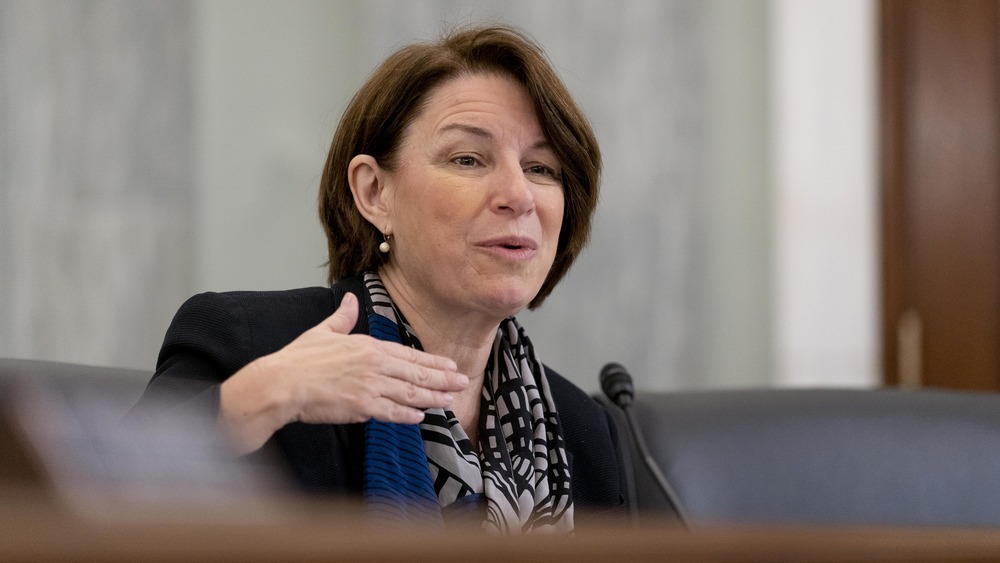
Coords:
pixel 345 317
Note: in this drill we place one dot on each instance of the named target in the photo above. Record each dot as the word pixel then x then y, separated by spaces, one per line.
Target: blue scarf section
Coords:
pixel 397 480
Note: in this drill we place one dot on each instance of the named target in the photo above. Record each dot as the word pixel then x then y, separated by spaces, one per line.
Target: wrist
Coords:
pixel 253 404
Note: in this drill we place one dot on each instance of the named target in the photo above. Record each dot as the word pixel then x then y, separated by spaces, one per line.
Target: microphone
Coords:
pixel 617 386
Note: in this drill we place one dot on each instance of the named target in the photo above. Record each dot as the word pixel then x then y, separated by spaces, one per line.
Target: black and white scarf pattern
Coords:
pixel 521 470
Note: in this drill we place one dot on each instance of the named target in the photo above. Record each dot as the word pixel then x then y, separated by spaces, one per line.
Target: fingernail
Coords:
pixel 448 397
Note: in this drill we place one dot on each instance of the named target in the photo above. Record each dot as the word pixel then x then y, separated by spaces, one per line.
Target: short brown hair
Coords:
pixel 393 96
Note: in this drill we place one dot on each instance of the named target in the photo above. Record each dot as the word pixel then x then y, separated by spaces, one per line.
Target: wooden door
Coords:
pixel 940 156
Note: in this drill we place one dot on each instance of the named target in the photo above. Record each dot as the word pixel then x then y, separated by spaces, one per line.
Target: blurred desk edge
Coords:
pixel 39 530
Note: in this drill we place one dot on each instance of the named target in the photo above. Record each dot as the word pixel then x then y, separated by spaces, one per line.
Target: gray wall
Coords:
pixel 96 177
pixel 153 150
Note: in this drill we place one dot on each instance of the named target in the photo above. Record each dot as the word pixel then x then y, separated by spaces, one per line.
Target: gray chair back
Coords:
pixel 821 456
pixel 16 368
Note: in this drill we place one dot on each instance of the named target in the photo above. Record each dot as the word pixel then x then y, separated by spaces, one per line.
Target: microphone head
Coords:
pixel 617 384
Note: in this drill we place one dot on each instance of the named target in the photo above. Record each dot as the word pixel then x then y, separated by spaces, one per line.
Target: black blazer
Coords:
pixel 213 335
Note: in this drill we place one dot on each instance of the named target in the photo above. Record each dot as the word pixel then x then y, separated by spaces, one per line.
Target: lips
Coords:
pixel 511 243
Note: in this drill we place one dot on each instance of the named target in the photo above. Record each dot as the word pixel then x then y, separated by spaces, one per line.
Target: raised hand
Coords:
pixel 328 375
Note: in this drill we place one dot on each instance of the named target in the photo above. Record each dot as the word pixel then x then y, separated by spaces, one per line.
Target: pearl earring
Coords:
pixel 384 247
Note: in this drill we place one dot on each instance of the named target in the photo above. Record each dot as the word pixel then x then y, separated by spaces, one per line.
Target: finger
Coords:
pixel 423 376
pixel 417 357
pixel 410 395
pixel 387 410
pixel 342 320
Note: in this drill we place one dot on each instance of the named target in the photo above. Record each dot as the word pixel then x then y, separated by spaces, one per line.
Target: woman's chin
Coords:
pixel 506 302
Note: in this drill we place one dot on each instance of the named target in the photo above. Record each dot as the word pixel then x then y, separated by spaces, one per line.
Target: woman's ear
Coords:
pixel 367 181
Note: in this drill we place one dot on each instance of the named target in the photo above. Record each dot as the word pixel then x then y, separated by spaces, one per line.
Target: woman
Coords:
pixel 459 189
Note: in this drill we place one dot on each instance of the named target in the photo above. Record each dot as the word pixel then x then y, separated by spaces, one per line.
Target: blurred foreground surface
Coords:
pixel 79 483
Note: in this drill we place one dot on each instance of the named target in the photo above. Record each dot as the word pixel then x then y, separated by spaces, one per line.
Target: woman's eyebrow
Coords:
pixel 487 134
pixel 470 129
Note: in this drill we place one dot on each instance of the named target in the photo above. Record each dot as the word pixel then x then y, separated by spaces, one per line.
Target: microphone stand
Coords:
pixel 653 467
pixel 617 386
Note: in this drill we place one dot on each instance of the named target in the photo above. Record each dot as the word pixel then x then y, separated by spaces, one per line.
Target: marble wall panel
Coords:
pixel 95 177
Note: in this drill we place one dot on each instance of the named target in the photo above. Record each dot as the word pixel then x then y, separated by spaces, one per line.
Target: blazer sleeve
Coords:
pixel 208 340
pixel 213 335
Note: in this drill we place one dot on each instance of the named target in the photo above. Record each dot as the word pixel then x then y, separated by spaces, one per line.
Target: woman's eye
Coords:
pixel 542 170
pixel 467 161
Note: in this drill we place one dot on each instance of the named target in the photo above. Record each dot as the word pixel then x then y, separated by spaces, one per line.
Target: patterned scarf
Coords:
pixel 519 482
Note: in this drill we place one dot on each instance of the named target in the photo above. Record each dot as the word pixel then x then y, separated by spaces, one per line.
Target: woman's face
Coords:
pixel 476 203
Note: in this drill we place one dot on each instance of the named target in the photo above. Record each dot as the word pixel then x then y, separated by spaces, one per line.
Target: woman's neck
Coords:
pixel 466 338
pixel 471 354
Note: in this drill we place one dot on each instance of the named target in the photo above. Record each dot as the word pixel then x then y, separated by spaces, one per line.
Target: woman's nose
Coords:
pixel 513 191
